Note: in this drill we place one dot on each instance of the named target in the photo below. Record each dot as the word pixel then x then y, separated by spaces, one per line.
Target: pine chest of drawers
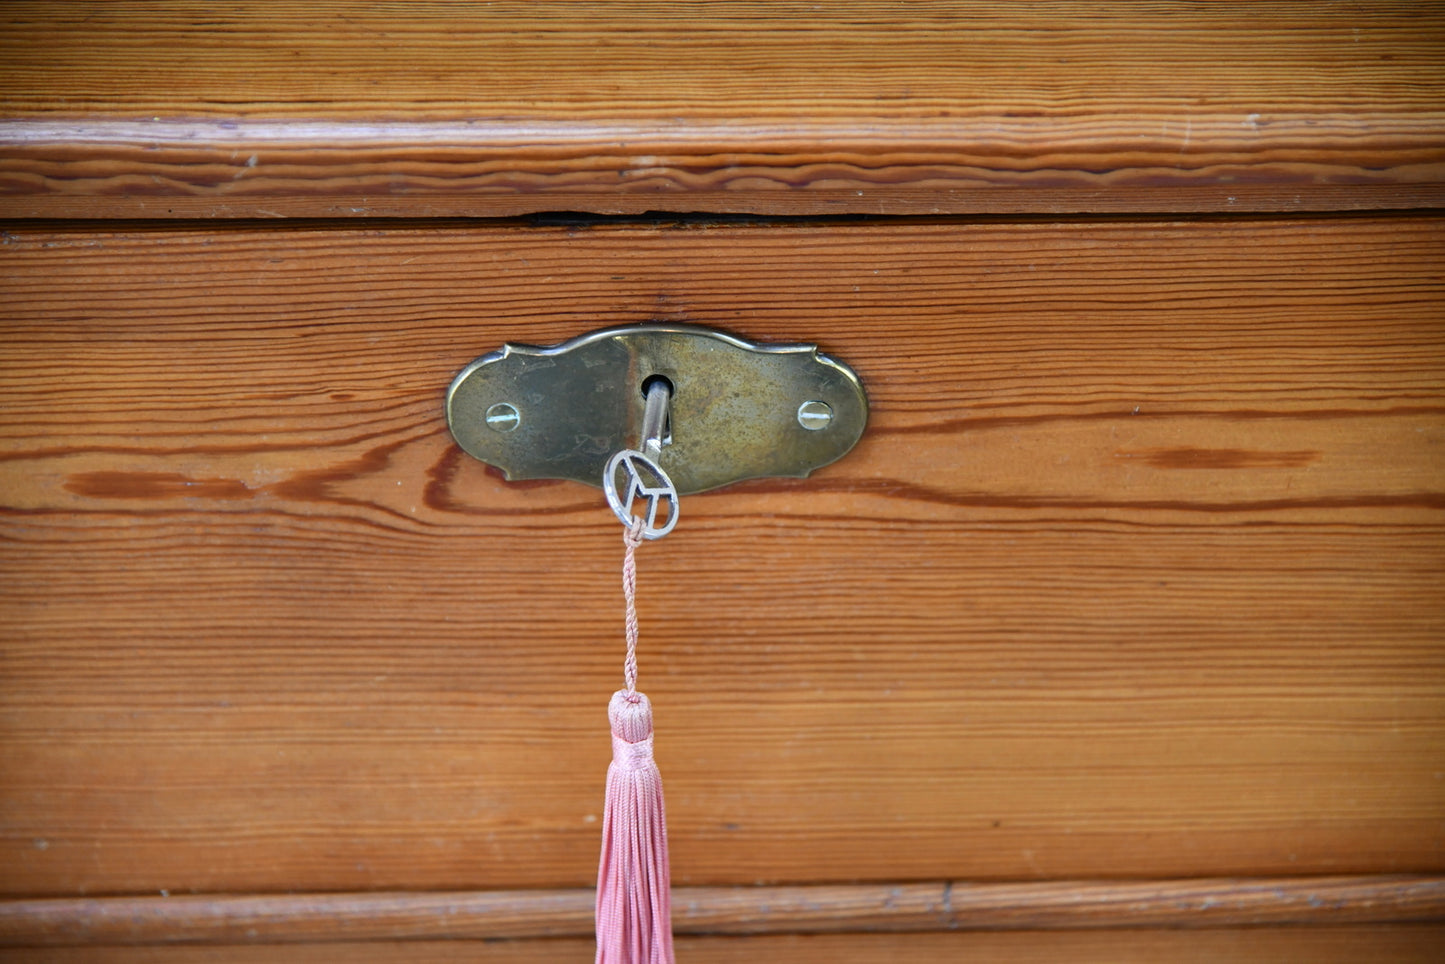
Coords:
pixel 1120 635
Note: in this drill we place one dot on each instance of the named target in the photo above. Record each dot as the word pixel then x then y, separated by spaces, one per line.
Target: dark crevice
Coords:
pixel 669 220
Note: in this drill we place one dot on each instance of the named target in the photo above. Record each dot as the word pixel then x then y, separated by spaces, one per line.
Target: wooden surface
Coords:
pixel 1139 570
pixel 425 109
pixel 1139 573
pixel 1388 944
pixel 732 911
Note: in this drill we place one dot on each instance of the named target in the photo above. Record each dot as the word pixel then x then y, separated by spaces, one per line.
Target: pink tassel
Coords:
pixel 634 900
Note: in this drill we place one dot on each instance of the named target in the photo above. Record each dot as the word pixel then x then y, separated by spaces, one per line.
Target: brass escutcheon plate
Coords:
pixel 738 411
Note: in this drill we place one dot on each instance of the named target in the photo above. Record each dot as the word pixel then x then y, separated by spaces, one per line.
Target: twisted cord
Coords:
pixel 631 538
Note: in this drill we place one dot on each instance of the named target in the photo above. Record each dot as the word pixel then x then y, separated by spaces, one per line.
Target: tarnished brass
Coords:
pixel 737 410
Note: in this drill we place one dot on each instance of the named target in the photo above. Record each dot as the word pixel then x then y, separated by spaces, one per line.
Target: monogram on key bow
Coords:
pixel 640 477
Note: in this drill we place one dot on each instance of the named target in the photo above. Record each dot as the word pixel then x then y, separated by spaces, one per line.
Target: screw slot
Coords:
pixel 815 415
pixel 503 417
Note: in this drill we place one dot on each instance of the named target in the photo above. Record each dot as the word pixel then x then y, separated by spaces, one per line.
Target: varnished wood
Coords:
pixel 1138 571
pixel 1377 944
pixel 424 109
pixel 1055 905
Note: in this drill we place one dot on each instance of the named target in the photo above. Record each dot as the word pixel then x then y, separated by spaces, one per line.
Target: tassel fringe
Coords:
pixel 634 902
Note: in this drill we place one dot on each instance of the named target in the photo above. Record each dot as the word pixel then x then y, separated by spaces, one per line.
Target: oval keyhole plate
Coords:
pixel 739 410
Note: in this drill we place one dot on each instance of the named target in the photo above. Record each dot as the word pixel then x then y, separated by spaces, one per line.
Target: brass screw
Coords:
pixel 503 417
pixel 815 415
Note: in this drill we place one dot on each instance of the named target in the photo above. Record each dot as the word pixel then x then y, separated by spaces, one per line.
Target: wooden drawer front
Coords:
pixel 1137 572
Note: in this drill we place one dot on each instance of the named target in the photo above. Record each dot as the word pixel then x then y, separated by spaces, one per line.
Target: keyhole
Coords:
pixel 662 380
pixel 656 414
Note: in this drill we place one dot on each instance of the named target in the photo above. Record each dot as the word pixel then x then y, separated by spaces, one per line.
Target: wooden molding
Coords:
pixel 203 168
pixel 183 110
pixel 1053 905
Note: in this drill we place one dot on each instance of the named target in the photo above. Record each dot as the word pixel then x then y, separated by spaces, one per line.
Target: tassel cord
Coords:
pixel 631 538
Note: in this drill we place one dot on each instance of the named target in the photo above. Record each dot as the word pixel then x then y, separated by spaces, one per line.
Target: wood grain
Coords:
pixel 1377 944
pixel 1139 571
pixel 1055 905
pixel 433 109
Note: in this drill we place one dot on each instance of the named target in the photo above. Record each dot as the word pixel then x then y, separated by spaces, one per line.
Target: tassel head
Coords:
pixel 631 717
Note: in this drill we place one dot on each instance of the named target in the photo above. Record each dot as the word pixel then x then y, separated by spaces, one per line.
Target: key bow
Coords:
pixel 643 478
